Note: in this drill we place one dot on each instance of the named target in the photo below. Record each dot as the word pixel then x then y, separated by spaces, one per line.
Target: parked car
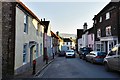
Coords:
pixel 70 53
pixel 96 56
pixel 84 52
pixel 112 60
pixel 80 52
pixel 61 53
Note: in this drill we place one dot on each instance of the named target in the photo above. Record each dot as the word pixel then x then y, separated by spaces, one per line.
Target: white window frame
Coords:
pixel 108 31
pixel 100 19
pixel 25 23
pixel 107 15
pixel 37 30
pixel 98 33
pixel 25 52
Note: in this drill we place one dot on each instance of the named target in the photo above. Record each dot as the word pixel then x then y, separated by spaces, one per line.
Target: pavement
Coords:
pixel 39 68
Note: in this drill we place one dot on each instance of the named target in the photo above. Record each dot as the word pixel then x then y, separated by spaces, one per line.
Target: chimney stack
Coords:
pixel 57 33
pixel 85 26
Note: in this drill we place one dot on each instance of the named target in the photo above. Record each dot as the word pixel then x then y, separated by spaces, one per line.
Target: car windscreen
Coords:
pixel 102 53
pixel 69 51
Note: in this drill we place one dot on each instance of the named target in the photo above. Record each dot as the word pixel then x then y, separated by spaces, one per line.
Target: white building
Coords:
pixel 69 43
pixel 28 39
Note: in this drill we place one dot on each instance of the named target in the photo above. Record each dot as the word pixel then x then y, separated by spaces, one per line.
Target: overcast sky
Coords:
pixel 66 16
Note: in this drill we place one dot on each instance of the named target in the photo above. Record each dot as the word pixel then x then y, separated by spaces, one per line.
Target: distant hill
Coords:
pixel 65 35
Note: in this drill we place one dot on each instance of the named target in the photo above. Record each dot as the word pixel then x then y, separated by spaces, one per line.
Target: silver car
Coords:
pixel 96 56
pixel 112 60
pixel 70 53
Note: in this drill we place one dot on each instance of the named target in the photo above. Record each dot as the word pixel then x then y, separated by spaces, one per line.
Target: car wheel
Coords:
pixel 107 67
pixel 92 61
pixel 74 56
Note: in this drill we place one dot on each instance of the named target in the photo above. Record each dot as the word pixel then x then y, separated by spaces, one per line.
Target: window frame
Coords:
pixel 98 33
pixel 100 19
pixel 25 53
pixel 108 33
pixel 107 16
pixel 25 23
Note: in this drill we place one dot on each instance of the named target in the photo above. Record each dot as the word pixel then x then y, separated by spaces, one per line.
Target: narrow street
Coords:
pixel 63 67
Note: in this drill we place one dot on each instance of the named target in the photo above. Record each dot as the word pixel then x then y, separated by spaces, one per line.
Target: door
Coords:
pixel 31 55
pixel 106 46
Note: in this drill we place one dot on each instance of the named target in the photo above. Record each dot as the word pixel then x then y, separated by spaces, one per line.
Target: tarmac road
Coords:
pixel 63 67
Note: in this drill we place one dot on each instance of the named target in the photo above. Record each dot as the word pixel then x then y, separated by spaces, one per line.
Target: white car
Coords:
pixel 70 53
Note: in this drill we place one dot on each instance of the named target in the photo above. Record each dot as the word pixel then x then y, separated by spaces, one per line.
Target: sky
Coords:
pixel 66 16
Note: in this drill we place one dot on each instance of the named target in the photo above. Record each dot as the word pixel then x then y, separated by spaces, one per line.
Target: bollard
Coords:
pixel 34 67
pixel 46 59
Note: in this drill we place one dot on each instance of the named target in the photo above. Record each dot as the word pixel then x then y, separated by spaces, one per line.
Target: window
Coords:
pixel 41 48
pixel 67 48
pixel 98 47
pixel 37 30
pixel 107 15
pixel 108 31
pixel 95 21
pixel 66 43
pixel 100 19
pixel 98 33
pixel 70 43
pixel 102 47
pixel 24 53
pixel 41 33
pixel 25 23
pixel 92 37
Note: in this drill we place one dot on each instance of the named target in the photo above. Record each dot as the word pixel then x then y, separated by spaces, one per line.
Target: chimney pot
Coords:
pixel 44 19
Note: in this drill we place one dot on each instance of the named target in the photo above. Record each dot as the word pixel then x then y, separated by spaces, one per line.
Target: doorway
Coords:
pixel 106 46
pixel 31 55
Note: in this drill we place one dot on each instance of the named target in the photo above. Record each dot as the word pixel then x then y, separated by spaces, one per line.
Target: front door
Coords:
pixel 106 46
pixel 31 55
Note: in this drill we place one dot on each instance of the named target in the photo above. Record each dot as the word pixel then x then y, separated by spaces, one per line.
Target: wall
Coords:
pixel 8 39
pixel 91 41
pixel 0 40
pixel 85 39
pixel 22 38
pixel 79 42
pixel 49 52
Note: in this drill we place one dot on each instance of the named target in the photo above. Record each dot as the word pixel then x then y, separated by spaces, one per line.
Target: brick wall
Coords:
pixel 8 39
pixel 0 40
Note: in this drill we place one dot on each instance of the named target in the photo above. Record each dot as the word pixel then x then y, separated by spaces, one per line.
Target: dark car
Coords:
pixel 84 52
pixel 80 52
pixel 96 56
pixel 62 53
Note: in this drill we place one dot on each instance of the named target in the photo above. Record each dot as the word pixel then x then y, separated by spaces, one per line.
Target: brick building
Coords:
pixel 107 27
